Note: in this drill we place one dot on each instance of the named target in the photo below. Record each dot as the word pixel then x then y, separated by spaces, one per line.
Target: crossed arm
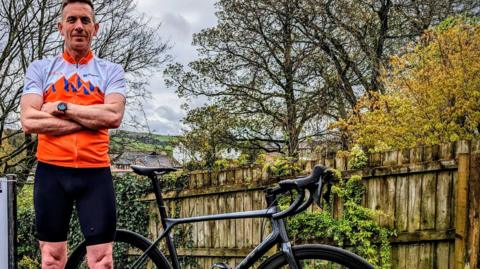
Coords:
pixel 43 118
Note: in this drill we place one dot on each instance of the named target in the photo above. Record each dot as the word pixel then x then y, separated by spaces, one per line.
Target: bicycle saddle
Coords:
pixel 151 171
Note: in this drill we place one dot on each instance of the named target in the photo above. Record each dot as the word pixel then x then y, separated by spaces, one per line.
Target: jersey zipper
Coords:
pixel 76 145
pixel 76 152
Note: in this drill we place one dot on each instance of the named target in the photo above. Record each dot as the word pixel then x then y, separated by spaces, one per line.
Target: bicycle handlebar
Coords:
pixel 313 184
pixel 293 207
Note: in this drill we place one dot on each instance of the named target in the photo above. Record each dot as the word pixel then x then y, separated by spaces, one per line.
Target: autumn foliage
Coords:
pixel 432 92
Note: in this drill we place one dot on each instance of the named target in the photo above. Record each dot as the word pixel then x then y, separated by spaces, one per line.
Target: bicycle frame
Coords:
pixel 277 236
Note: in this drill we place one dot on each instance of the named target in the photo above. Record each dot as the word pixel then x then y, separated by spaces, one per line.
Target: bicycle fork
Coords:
pixel 284 244
pixel 278 227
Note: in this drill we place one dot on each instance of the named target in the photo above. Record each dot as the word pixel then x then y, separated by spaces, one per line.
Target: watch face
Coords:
pixel 62 107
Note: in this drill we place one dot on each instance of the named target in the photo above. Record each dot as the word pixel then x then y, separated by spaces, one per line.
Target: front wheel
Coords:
pixel 318 257
pixel 127 248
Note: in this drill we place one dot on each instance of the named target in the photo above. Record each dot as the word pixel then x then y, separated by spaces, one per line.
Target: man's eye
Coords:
pixel 71 20
pixel 86 20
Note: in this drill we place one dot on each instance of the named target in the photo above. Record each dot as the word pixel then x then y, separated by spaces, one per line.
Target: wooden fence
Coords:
pixel 430 195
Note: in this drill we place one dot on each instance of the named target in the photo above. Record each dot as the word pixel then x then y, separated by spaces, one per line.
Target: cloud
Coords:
pixel 179 20
pixel 167 120
pixel 166 112
pixel 177 27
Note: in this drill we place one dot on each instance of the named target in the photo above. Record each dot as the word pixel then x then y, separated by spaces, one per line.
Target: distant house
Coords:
pixel 153 159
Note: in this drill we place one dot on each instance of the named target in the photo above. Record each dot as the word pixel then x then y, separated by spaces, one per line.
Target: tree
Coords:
pixel 207 135
pixel 358 37
pixel 432 92
pixel 257 65
pixel 29 32
pixel 288 68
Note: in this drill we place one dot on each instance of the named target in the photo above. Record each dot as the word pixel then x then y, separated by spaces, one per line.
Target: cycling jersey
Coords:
pixel 86 82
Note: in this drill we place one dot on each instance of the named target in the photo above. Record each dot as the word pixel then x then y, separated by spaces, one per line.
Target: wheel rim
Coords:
pixel 318 257
pixel 313 263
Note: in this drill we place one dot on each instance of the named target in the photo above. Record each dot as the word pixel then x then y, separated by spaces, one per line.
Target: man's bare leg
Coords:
pixel 54 254
pixel 100 256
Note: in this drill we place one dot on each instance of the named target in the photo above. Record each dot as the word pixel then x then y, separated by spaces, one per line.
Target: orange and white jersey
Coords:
pixel 86 82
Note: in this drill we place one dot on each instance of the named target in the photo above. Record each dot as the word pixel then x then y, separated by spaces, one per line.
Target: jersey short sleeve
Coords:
pixel 116 82
pixel 33 79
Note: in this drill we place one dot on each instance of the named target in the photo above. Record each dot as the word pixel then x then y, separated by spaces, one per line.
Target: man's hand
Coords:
pixel 100 116
pixel 36 119
pixel 94 117
pixel 51 108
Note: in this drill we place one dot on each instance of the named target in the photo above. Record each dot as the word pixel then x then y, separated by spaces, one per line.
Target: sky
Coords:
pixel 180 19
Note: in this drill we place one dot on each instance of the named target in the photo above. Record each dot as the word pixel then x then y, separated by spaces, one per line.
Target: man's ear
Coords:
pixel 60 28
pixel 97 26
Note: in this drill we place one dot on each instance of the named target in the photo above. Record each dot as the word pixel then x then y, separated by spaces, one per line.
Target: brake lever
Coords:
pixel 327 180
pixel 317 194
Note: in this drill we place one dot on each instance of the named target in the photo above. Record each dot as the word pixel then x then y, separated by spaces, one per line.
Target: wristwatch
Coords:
pixel 62 107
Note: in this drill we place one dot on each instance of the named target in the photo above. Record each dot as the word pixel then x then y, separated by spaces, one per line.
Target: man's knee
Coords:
pixel 100 256
pixel 103 262
pixel 54 254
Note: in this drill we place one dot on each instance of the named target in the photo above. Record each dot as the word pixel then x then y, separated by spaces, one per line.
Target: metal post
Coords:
pixel 12 221
pixel 8 220
pixel 3 223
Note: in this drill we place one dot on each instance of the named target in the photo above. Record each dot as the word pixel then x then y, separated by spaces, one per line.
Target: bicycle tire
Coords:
pixel 133 240
pixel 337 256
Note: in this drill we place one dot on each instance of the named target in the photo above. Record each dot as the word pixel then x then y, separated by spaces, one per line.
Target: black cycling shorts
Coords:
pixel 91 189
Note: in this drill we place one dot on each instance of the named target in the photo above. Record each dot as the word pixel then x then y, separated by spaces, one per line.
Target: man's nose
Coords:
pixel 78 26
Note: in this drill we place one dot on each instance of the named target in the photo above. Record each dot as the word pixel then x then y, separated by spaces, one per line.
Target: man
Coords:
pixel 71 101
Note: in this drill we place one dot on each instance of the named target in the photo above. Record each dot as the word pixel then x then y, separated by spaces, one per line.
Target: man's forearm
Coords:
pixel 99 116
pixel 44 123
pixel 104 116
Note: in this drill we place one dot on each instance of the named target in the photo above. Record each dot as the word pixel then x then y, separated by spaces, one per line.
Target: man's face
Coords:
pixel 77 26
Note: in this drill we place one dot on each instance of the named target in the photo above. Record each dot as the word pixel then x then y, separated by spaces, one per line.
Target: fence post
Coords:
pixel 473 243
pixel 461 216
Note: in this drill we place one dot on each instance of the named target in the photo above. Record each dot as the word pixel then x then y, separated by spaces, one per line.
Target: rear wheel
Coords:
pixel 318 257
pixel 127 248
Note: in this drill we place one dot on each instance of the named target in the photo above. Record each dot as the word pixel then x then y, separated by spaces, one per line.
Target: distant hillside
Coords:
pixel 120 141
pixel 144 142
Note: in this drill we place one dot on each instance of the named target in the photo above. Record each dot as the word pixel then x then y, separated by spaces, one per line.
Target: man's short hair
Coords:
pixel 88 2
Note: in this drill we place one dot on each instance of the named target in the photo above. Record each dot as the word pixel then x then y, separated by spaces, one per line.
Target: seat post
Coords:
pixel 159 199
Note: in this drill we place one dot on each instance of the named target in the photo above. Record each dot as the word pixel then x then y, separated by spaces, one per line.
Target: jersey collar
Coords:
pixel 67 57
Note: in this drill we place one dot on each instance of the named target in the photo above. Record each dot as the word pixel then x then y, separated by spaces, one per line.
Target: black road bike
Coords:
pixel 307 190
